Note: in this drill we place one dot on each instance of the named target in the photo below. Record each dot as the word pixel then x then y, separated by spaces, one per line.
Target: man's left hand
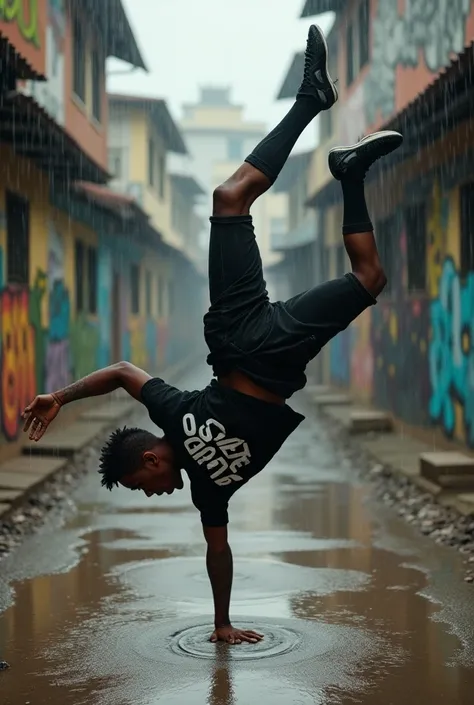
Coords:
pixel 231 635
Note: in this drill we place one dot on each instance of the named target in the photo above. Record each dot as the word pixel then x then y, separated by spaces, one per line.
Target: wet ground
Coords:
pixel 113 605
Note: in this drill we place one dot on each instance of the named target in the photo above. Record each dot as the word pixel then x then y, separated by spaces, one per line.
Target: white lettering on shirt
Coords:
pixel 210 446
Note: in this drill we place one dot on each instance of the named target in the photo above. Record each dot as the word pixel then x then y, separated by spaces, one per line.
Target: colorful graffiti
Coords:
pixel 18 358
pixel 399 342
pixel 435 30
pixel 362 356
pixel 58 357
pixel 451 354
pixel 23 13
pixel 340 356
pixel 50 93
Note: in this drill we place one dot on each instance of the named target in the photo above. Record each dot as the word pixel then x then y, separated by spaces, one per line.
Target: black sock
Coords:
pixel 270 155
pixel 356 217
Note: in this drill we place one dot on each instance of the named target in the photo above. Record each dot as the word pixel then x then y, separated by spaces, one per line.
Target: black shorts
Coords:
pixel 270 342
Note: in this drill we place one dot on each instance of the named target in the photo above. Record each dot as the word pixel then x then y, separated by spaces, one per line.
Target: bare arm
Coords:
pixel 220 570
pixel 44 409
pixel 108 379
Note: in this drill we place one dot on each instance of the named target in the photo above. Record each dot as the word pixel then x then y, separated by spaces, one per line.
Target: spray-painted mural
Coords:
pixel 40 353
pixel 414 353
pixel 451 349
pixel 58 354
pixel 427 29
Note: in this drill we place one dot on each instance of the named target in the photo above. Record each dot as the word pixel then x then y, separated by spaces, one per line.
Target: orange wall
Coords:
pixel 26 30
pixel 399 70
pixel 91 136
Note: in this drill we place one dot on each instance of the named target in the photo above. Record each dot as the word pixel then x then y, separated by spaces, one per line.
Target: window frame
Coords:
pixel 79 72
pixel 18 244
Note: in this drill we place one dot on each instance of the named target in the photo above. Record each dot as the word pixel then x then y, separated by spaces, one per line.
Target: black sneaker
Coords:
pixel 357 159
pixel 317 82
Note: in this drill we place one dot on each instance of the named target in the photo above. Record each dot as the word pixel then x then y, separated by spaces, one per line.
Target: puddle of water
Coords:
pixel 369 611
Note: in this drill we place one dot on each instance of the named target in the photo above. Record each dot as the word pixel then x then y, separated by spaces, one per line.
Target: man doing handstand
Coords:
pixel 226 433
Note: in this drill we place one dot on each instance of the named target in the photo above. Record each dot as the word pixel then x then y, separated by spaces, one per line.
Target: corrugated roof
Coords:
pixel 110 18
pixel 293 77
pixel 317 7
pixel 34 134
pixel 159 113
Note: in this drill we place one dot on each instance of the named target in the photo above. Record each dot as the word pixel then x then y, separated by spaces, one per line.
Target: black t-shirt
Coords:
pixel 221 438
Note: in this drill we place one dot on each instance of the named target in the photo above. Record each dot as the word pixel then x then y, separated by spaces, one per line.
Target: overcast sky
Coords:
pixel 247 44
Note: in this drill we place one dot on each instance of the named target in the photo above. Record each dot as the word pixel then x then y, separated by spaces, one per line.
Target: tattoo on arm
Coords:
pixel 220 570
pixel 100 382
pixel 73 392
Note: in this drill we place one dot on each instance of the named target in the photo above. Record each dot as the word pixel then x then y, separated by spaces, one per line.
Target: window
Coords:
pixel 135 289
pixel 349 55
pixel 364 32
pixel 415 227
pixel 80 257
pixel 466 194
pixel 85 261
pixel 18 239
pixel 148 293
pixel 79 49
pixel 162 175
pixel 234 149
pixel 92 279
pixel 386 234
pixel 151 162
pixel 97 83
pixel 116 162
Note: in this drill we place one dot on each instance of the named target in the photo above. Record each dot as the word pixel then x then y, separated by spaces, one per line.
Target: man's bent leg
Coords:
pixel 349 165
pixel 317 92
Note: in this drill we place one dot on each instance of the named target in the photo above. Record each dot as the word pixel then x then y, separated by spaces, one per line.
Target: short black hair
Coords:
pixel 122 453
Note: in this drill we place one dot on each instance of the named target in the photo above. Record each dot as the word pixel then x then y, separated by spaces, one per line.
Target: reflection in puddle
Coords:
pixel 379 613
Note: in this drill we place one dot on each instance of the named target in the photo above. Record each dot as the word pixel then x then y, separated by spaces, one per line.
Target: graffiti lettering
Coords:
pixel 451 353
pixel 436 29
pixel 18 359
pixel 25 14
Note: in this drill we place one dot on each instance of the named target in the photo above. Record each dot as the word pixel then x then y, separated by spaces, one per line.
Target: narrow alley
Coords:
pixel 115 607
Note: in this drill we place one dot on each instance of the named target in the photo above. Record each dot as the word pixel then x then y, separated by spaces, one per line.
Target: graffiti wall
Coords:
pixel 340 357
pixel 50 93
pixel 413 354
pixel 23 23
pixel 42 345
pixel 412 41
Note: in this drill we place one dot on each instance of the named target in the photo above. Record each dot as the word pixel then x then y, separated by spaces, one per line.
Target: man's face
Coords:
pixel 157 474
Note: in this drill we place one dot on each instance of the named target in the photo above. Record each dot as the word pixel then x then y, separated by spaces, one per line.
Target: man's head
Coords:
pixel 139 460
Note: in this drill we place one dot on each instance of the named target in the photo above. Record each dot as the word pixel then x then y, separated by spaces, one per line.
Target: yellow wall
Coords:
pixel 159 209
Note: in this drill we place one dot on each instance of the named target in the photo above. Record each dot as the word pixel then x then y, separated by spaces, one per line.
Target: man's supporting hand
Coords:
pixel 39 414
pixel 231 635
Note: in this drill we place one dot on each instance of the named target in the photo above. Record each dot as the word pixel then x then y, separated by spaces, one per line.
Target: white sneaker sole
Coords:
pixel 370 138
pixel 333 87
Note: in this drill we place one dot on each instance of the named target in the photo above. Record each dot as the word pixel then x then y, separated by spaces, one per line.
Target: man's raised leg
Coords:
pixel 317 92
pixel 349 165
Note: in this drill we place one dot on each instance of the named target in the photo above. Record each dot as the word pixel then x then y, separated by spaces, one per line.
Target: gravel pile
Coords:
pixel 53 494
pixel 443 524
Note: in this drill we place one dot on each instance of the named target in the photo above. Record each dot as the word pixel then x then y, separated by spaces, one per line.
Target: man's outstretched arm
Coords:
pixel 44 409
pixel 220 570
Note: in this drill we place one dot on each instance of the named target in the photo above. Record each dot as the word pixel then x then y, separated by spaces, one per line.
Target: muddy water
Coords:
pixel 114 606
